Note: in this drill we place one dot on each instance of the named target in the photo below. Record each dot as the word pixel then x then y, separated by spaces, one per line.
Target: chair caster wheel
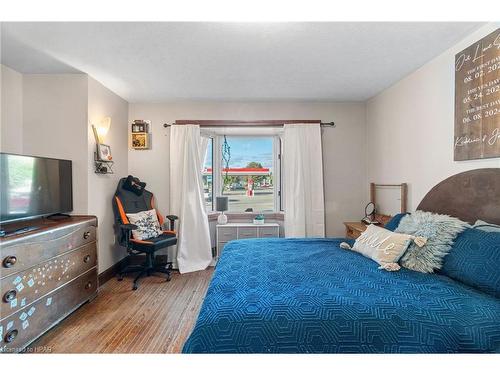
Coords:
pixel 169 277
pixel 134 287
pixel 120 278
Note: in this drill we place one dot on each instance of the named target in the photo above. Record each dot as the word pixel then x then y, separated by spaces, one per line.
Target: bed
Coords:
pixel 311 296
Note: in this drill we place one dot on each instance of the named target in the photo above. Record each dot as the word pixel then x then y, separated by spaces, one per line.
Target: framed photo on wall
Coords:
pixel 104 152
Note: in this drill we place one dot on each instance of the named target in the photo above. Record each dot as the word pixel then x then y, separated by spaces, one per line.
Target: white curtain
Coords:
pixel 203 150
pixel 194 251
pixel 303 181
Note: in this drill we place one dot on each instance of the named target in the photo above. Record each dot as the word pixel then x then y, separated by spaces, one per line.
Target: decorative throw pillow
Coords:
pixel 440 231
pixel 134 185
pixel 147 223
pixel 474 260
pixel 487 227
pixel 381 245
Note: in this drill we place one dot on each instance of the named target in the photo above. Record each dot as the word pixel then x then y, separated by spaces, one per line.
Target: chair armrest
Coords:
pixel 172 219
pixel 127 233
pixel 128 227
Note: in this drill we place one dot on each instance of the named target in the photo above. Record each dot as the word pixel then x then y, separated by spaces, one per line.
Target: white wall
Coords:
pixel 49 115
pixel 410 127
pixel 102 102
pixel 343 147
pixel 11 127
pixel 55 124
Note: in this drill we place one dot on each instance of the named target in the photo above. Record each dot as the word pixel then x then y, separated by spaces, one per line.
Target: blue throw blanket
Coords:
pixel 310 296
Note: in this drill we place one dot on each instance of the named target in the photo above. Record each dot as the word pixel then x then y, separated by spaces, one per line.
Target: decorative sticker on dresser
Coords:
pixel 45 276
pixel 34 283
pixel 30 322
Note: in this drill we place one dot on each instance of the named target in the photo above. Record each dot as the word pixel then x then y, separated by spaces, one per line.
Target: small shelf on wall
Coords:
pixel 140 135
pixel 103 166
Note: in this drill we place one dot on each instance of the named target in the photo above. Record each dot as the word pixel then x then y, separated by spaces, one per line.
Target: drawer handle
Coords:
pixel 88 285
pixel 86 235
pixel 86 258
pixel 9 261
pixel 11 335
pixel 10 295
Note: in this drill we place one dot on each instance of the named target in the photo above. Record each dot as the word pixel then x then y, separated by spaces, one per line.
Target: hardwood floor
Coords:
pixel 156 318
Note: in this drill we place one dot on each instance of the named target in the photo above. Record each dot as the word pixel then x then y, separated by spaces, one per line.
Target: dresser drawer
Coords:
pixel 27 324
pixel 266 232
pixel 20 289
pixel 247 232
pixel 226 234
pixel 22 254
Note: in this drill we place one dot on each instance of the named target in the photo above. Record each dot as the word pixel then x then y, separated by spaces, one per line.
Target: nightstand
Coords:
pixel 236 231
pixel 353 229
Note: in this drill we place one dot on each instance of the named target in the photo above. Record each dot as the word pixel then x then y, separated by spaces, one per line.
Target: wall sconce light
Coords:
pixel 102 129
pixel 102 157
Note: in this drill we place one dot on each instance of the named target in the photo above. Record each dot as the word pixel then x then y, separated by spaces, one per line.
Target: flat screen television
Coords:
pixel 34 186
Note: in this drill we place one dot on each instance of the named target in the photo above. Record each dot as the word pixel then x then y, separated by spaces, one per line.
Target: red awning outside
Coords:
pixel 241 171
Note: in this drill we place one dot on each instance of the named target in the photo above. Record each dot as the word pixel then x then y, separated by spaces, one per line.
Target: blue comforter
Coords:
pixel 310 296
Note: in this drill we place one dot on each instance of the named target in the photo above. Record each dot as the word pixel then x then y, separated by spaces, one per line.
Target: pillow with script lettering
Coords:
pixel 383 246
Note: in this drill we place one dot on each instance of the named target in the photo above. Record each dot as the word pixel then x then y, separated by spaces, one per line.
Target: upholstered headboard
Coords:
pixel 469 196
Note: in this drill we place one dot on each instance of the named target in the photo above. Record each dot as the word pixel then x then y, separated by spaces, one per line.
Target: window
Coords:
pixel 246 169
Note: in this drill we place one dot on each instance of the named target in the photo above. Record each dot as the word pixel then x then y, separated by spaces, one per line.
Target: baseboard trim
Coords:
pixel 112 271
pixel 108 274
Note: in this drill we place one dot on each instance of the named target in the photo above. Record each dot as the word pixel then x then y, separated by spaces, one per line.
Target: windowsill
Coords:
pixel 212 216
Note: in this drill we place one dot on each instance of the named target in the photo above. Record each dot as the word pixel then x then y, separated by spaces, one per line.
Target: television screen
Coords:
pixel 33 186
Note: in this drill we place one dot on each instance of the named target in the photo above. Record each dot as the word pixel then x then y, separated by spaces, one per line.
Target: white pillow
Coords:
pixel 383 246
pixel 148 225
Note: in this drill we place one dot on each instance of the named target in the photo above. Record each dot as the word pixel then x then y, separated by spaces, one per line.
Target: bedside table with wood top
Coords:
pixel 353 229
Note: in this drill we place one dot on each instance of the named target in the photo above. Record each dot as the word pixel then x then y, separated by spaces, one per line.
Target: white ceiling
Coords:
pixel 152 62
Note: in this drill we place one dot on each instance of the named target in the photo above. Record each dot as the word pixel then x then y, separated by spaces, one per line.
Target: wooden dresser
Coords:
pixel 45 274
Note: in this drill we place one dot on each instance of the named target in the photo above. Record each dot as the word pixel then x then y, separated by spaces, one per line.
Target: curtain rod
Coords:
pixel 226 123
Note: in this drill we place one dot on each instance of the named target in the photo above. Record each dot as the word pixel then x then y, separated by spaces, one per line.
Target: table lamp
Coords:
pixel 221 204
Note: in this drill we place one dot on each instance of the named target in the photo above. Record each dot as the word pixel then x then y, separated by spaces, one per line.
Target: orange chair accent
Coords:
pixel 132 200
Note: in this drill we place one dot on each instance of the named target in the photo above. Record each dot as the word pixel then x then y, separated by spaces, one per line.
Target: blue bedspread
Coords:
pixel 310 296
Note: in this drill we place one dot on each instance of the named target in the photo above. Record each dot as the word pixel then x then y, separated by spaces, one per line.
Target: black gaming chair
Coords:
pixel 133 201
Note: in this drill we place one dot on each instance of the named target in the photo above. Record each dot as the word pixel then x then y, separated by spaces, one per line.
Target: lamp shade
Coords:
pixel 221 203
pixel 103 128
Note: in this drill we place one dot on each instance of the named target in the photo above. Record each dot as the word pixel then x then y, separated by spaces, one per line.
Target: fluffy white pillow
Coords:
pixel 383 246
pixel 148 224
